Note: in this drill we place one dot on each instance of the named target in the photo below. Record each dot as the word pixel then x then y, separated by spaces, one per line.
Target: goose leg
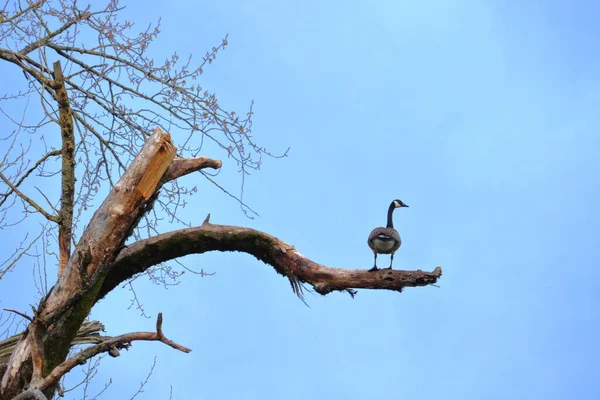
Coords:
pixel 391 261
pixel 375 262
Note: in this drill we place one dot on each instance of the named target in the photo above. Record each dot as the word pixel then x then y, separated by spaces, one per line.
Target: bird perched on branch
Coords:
pixel 386 240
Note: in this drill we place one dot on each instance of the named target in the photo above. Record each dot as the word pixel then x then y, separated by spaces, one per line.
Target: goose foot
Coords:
pixel 374 269
pixel 390 267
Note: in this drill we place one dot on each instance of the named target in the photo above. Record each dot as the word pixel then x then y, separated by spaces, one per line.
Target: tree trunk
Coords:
pixel 47 340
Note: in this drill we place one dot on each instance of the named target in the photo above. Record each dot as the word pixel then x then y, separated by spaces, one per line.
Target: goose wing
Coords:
pixel 384 234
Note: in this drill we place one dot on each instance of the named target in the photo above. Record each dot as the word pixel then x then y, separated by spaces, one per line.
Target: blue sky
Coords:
pixel 481 115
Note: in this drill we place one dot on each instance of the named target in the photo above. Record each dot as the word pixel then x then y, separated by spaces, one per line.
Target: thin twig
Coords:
pixel 29 201
pixel 27 317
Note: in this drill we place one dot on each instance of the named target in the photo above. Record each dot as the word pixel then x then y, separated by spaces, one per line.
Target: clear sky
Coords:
pixel 482 116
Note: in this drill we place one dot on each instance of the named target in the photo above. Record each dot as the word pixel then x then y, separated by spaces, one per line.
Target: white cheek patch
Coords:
pixel 396 204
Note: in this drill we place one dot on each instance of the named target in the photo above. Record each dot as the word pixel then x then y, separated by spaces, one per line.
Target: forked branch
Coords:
pixel 118 342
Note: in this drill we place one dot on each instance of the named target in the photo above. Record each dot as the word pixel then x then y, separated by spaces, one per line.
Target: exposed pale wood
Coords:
pixel 158 165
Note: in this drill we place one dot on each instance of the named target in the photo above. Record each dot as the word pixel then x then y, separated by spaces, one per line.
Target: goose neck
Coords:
pixel 390 221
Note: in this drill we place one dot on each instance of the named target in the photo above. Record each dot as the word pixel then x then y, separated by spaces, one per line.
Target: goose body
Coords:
pixel 386 240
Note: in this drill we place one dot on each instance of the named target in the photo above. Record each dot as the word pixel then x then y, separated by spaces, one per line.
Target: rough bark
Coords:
pixel 67 196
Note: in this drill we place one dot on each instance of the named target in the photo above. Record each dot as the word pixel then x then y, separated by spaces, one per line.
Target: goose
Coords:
pixel 386 240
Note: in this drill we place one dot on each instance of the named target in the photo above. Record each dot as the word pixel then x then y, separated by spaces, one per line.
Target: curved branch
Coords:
pixel 285 259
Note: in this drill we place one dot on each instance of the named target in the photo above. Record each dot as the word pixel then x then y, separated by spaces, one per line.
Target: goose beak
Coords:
pixel 403 205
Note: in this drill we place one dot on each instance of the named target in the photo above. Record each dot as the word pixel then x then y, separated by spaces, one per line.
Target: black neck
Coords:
pixel 390 223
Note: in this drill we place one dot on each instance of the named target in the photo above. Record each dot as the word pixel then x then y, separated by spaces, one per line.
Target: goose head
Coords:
pixel 398 203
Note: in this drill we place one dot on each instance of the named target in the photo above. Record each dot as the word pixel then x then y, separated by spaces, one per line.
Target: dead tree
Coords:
pixel 83 91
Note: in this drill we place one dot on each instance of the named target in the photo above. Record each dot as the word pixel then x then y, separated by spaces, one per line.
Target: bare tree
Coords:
pixel 97 85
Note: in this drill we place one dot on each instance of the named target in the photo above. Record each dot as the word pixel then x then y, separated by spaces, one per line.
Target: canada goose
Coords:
pixel 386 240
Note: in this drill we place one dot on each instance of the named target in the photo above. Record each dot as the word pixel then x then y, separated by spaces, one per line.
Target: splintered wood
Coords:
pixel 158 165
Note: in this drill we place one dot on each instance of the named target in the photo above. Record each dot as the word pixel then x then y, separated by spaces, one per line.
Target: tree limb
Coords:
pixel 120 342
pixel 67 197
pixel 28 200
pixel 45 40
pixel 4 196
pixel 32 394
pixel 183 166
pixel 285 259
pixel 22 12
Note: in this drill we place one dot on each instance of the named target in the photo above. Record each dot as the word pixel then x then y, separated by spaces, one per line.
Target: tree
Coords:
pixel 113 104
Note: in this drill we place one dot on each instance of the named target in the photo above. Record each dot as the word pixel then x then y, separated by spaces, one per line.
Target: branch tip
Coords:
pixel 159 321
